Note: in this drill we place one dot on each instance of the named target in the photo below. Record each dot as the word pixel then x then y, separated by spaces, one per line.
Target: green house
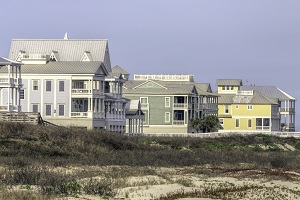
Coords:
pixel 170 101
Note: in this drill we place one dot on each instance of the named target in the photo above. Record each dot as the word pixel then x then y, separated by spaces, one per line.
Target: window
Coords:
pixel 221 121
pixel 61 110
pixel 250 107
pixel 226 109
pixel 167 117
pixel 35 108
pixel 48 85
pixel 61 86
pixel 21 94
pixel 237 123
pixel 237 106
pixel 231 87
pixel 48 110
pixel 167 101
pixel 223 87
pixel 258 121
pixel 35 85
pixel 266 122
pixel 249 123
pixel 144 100
pixel 227 87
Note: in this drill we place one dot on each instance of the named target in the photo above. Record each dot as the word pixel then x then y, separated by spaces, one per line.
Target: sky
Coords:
pixel 253 40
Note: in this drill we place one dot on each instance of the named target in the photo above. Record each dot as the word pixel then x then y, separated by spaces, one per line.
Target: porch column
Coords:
pixel 142 126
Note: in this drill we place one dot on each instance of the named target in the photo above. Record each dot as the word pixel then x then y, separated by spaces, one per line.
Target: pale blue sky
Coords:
pixel 253 40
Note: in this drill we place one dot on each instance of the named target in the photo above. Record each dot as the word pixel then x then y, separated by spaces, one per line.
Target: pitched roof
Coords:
pixel 256 98
pixel 64 67
pixel 270 92
pixel 68 50
pixel 229 82
pixel 5 61
pixel 119 70
pixel 161 87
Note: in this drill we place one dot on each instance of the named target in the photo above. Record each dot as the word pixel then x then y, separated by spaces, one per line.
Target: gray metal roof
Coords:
pixel 168 87
pixel 256 98
pixel 117 69
pixel 5 61
pixel 229 82
pixel 68 50
pixel 132 87
pixel 270 92
pixel 64 67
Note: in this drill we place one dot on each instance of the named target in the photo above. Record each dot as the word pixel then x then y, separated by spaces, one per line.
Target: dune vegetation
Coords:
pixel 39 162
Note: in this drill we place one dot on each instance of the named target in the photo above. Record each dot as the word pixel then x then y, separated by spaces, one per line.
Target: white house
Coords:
pixel 69 82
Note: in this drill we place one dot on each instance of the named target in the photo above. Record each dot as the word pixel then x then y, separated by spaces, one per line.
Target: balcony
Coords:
pixel 290 110
pixel 86 92
pixel 79 114
pixel 6 82
pixel 178 122
pixel 180 105
pixel 263 128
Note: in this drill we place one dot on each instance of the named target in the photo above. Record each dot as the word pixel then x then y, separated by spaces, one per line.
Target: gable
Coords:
pixel 150 84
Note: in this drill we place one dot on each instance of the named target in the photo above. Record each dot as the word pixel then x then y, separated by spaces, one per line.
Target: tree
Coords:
pixel 196 123
pixel 206 124
pixel 211 123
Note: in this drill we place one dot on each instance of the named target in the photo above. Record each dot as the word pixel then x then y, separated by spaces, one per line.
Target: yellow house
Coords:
pixel 246 110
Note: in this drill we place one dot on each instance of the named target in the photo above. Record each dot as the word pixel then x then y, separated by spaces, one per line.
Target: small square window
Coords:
pixel 250 107
pixel 221 121
pixel 35 85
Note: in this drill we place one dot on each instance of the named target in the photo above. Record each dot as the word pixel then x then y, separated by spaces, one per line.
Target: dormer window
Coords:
pixel 20 56
pixel 86 56
pixel 54 56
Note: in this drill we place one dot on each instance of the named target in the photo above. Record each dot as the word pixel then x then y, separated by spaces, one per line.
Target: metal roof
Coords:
pixel 64 67
pixel 229 82
pixel 5 61
pixel 117 69
pixel 165 87
pixel 270 92
pixel 256 98
pixel 131 87
pixel 68 50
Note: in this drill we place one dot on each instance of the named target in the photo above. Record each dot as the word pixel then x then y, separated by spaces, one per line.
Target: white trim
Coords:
pixel 148 82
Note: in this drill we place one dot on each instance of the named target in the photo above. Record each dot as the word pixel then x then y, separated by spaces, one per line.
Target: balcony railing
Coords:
pixel 180 105
pixel 79 114
pixel 5 81
pixel 291 110
pixel 265 128
pixel 86 91
pixel 178 122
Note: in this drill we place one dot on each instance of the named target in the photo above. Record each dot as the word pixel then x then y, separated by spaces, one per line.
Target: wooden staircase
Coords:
pixel 24 117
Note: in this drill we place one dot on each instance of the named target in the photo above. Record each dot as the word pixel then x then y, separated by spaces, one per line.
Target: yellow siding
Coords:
pixel 241 112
